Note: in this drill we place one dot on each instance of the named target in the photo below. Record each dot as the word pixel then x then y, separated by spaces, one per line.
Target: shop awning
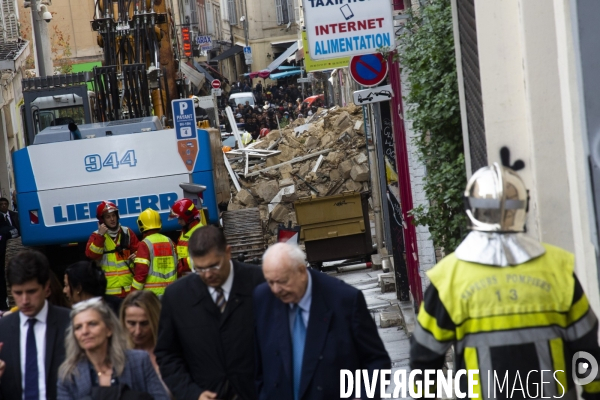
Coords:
pixel 205 72
pixel 214 71
pixel 287 68
pixel 285 74
pixel 282 43
pixel 195 77
pixel 228 53
pixel 279 60
pixel 259 74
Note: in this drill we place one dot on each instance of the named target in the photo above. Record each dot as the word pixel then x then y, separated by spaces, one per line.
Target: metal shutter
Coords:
pixel 472 83
pixel 9 22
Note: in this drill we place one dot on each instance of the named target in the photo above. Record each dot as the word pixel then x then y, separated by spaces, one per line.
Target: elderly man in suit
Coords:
pixel 33 338
pixel 309 326
pixel 205 347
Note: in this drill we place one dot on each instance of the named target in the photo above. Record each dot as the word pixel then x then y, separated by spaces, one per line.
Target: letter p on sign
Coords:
pixel 182 107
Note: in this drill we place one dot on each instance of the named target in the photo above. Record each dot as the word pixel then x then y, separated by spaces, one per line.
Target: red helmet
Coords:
pixel 185 209
pixel 105 207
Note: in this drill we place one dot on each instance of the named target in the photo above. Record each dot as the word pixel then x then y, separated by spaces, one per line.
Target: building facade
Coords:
pixel 528 82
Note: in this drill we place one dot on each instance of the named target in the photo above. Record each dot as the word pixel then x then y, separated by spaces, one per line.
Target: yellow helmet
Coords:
pixel 149 219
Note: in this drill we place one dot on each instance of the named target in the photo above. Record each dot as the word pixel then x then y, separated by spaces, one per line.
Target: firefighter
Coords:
pixel 511 306
pixel 156 260
pixel 114 247
pixel 247 138
pixel 188 218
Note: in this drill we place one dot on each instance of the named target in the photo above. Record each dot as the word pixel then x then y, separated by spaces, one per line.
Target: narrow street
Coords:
pixel 395 339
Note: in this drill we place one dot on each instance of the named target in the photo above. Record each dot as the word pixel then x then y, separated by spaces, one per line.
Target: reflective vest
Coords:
pixel 162 262
pixel 182 243
pixel 536 308
pixel 115 265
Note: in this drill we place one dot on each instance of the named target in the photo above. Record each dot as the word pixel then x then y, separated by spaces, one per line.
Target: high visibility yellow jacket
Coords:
pixel 182 248
pixel 157 260
pixel 506 321
pixel 113 259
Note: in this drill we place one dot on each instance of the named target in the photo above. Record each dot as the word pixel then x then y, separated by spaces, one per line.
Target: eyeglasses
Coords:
pixel 202 271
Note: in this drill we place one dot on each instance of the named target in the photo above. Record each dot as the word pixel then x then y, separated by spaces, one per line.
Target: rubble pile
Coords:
pixel 322 155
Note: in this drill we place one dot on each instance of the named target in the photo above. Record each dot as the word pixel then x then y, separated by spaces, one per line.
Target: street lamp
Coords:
pixel 41 16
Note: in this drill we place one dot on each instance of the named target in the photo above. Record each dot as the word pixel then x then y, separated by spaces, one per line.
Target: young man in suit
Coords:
pixel 33 338
pixel 8 218
pixel 309 326
pixel 9 229
pixel 205 347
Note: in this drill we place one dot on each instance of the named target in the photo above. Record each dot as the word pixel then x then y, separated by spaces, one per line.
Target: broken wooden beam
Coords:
pixel 294 160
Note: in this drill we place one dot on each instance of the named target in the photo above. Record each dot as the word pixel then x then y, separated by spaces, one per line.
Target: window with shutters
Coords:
pixel 224 10
pixel 291 13
pixel 297 12
pixel 202 23
pixel 217 19
pixel 232 12
pixel 285 11
pixel 193 13
pixel 10 22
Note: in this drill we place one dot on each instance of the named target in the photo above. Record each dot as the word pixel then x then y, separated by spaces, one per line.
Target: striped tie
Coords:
pixel 220 301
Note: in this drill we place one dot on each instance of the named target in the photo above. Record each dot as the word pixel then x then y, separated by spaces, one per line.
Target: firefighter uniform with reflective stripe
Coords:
pixel 508 321
pixel 113 259
pixel 155 264
pixel 182 248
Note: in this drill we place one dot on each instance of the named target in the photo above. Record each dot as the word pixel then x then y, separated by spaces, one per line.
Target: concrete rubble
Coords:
pixel 322 155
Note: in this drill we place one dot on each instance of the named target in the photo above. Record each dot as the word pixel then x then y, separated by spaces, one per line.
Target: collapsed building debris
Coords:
pixel 322 155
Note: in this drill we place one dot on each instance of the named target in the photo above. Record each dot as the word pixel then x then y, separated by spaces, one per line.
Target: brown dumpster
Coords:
pixel 335 227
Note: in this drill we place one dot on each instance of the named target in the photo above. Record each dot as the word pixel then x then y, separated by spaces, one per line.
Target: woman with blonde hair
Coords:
pixel 97 361
pixel 140 312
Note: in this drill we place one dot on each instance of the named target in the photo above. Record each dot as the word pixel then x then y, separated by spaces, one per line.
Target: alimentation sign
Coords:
pixel 342 28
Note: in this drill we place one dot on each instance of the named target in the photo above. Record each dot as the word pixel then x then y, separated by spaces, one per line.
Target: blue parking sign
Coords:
pixel 247 50
pixel 184 117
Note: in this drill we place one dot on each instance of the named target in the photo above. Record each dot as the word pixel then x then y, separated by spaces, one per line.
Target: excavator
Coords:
pixel 107 135
pixel 137 79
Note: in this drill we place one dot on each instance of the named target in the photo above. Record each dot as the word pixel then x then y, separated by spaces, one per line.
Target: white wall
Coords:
pixel 426 249
pixel 532 102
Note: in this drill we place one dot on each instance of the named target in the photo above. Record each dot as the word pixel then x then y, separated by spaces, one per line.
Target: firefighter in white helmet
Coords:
pixel 511 306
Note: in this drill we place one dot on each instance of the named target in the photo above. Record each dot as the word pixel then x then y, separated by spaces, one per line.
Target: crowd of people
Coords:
pixel 275 108
pixel 151 319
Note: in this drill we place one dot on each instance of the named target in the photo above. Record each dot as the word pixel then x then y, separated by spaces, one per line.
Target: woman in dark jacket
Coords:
pixel 97 359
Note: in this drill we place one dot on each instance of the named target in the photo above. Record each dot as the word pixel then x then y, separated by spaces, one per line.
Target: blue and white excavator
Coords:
pixel 112 142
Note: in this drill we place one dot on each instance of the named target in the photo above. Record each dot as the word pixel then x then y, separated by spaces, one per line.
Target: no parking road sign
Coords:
pixel 368 69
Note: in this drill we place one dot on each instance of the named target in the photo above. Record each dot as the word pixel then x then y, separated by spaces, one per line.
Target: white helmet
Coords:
pixel 496 200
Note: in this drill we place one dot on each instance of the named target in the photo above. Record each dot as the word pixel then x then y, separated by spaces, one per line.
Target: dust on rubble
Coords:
pixel 338 134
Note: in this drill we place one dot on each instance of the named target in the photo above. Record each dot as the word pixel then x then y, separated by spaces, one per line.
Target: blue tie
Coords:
pixel 32 391
pixel 298 339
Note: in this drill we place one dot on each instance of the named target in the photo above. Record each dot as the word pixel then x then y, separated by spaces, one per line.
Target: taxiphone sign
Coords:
pixel 375 384
pixel 342 28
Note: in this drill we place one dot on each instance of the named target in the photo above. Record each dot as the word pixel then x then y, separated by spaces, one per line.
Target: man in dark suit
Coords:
pixel 205 347
pixel 309 326
pixel 9 229
pixel 33 338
